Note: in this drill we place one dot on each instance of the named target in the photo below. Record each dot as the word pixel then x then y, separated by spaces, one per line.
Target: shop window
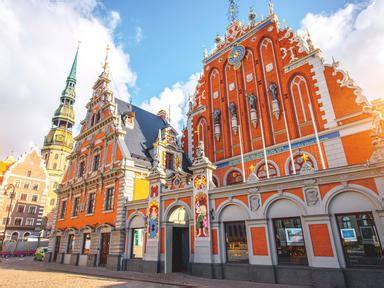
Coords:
pixel 236 242
pixel 86 243
pixel 108 204
pixel 91 203
pixel 289 239
pixel 137 242
pixel 63 209
pixel 169 161
pixel 71 243
pixel 359 239
pixel 234 177
pixel 76 204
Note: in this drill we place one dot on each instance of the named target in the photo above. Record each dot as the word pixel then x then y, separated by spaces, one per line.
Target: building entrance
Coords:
pixel 57 247
pixel 180 251
pixel 104 250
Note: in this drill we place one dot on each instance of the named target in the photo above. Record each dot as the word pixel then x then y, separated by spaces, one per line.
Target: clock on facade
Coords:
pixel 236 56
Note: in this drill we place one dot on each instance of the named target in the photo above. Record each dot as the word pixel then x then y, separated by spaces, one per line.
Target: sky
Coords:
pixel 156 52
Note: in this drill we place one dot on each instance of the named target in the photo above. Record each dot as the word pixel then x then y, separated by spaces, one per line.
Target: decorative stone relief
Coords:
pixel 232 110
pixel 254 202
pixel 231 86
pixel 249 77
pixel 311 196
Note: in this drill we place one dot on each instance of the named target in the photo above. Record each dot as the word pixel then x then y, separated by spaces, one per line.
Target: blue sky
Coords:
pixel 175 33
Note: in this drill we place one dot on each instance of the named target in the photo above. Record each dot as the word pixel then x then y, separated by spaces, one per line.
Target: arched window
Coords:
pixel 261 170
pixel 26 235
pixel 234 177
pixel 15 236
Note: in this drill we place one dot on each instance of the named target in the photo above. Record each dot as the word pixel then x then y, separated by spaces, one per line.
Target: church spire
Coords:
pixel 72 73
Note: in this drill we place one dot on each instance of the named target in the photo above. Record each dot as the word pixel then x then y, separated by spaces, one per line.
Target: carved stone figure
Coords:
pixel 311 196
pixel 232 110
pixel 254 202
pixel 306 168
pixel 275 102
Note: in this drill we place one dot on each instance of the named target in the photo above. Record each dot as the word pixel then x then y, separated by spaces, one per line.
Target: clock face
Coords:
pixel 236 56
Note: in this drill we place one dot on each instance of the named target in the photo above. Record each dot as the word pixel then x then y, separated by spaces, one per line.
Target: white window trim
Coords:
pixel 26 221
pixel 30 208
pixel 19 205
pixel 87 204
pixel 61 208
pixel 37 198
pixel 105 199
pixel 21 224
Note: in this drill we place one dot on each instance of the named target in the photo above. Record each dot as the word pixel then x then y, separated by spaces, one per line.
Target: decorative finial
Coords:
pixel 232 11
pixel 252 15
pixel 309 42
pixel 106 64
pixel 270 6
pixel 205 53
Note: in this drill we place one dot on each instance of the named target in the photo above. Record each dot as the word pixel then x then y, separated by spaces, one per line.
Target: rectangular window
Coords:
pixel 32 210
pixel 20 208
pixel 71 243
pixel 17 183
pixel 86 243
pixel 34 198
pixel 96 162
pixel 289 239
pixel 35 187
pixel 91 203
pixel 63 209
pixel 169 161
pixel 29 222
pixel 18 221
pixel 23 197
pixel 236 242
pixel 108 203
pixel 359 239
pixel 26 185
pixel 76 204
pixel 137 242
pixel 81 169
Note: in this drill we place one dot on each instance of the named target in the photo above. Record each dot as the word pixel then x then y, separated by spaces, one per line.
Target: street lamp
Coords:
pixel 10 192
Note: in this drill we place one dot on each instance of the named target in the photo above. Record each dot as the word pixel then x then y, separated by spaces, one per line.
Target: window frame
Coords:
pixel 96 164
pixel 63 208
pixel 21 197
pixel 83 252
pixel 226 224
pixel 29 218
pixel 71 243
pixel 275 241
pixel 29 208
pixel 109 198
pixel 133 242
pixel 18 208
pixel 18 218
pixel 89 201
pixel 76 206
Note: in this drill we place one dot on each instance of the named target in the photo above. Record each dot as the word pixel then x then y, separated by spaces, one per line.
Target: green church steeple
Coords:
pixel 60 135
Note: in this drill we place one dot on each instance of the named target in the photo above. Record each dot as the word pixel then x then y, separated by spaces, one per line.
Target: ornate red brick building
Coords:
pixel 281 179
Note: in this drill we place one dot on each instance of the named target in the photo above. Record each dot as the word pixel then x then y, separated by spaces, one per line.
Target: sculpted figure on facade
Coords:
pixel 311 196
pixel 275 102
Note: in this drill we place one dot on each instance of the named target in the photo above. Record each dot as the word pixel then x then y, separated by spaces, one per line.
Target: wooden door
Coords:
pixel 104 248
pixel 57 247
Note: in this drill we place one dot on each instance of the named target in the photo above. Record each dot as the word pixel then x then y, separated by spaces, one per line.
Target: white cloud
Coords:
pixel 139 36
pixel 36 54
pixel 353 35
pixel 175 98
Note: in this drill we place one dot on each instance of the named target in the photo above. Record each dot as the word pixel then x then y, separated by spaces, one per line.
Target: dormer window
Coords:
pixel 169 161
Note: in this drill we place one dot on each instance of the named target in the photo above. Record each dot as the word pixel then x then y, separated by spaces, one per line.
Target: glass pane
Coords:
pixel 359 239
pixel 289 239
pixel 236 242
pixel 137 243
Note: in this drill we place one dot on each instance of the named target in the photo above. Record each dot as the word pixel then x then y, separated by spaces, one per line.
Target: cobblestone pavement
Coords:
pixel 24 272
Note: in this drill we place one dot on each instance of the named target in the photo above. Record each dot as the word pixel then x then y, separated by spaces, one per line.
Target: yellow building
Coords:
pixel 59 141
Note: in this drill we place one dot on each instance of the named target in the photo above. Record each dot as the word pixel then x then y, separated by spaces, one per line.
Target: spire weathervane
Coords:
pixel 232 11
pixel 106 65
pixel 270 6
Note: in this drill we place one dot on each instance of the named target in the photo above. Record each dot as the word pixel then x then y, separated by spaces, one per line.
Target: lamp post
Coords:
pixel 10 192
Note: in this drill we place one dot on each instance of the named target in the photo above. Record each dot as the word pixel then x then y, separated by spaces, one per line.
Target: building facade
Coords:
pixel 25 211
pixel 58 143
pixel 285 183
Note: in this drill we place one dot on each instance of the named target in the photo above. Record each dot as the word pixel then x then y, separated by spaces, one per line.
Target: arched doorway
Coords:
pixel 177 252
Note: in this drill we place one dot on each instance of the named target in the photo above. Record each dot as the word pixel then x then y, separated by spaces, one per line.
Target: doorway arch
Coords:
pixel 177 237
